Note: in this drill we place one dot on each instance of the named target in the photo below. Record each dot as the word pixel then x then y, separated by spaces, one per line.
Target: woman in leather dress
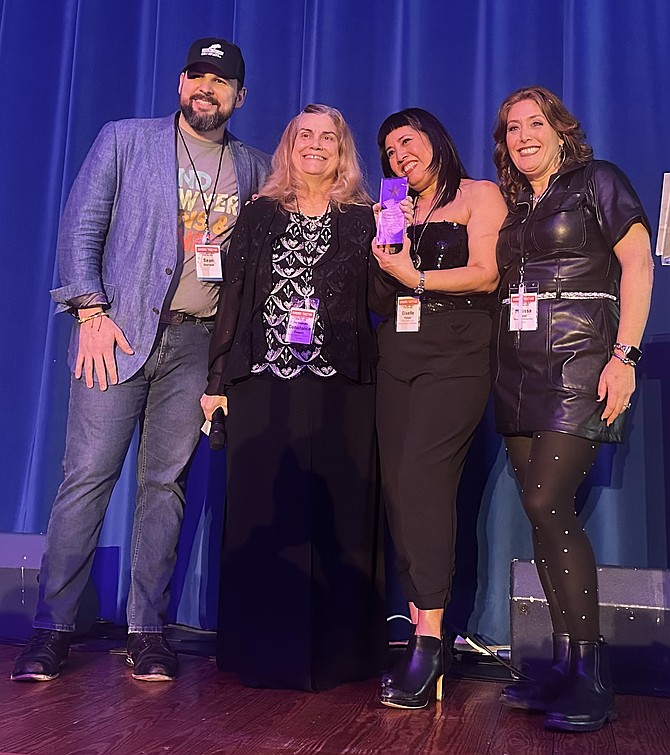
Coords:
pixel 292 363
pixel 433 384
pixel 577 239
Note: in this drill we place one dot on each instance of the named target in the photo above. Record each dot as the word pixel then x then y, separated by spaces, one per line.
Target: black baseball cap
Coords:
pixel 221 55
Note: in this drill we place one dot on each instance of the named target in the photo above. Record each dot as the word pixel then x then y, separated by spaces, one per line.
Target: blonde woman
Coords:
pixel 292 364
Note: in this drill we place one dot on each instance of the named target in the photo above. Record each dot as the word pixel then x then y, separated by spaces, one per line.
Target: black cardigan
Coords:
pixel 340 280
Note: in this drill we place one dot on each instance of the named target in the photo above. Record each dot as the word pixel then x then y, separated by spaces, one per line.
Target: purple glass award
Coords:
pixel 391 221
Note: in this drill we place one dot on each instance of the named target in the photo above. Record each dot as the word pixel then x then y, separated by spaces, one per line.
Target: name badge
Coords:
pixel 208 262
pixel 523 306
pixel 407 314
pixel 301 321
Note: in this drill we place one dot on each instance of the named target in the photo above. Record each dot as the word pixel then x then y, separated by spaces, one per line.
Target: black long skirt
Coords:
pixel 301 600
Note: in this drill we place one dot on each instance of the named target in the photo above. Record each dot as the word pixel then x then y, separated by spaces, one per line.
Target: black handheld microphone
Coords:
pixel 217 432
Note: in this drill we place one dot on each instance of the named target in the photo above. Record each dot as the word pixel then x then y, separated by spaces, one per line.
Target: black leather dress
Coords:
pixel 547 379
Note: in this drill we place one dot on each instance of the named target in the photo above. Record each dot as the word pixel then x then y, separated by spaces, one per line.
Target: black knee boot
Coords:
pixel 586 703
pixel 537 694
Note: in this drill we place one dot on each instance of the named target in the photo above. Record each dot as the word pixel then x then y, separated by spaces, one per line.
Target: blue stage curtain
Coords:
pixel 70 66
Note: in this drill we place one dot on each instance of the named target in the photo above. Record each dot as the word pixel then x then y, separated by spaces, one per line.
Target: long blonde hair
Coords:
pixel 284 184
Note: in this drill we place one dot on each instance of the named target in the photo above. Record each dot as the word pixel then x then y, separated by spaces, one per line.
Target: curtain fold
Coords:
pixel 68 67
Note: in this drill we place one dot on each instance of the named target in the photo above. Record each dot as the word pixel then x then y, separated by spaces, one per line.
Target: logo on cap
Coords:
pixel 214 50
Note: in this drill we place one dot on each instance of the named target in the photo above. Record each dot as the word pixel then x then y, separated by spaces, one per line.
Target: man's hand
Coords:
pixel 97 339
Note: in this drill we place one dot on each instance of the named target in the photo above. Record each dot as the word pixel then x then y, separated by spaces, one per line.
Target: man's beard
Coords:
pixel 204 122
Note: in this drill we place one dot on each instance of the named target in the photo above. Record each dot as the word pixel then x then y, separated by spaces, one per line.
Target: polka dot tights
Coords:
pixel 550 467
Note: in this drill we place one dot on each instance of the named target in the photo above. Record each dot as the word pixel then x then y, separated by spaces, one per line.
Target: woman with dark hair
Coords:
pixel 433 381
pixel 292 364
pixel 575 252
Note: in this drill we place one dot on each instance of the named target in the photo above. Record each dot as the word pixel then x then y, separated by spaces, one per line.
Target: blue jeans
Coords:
pixel 164 396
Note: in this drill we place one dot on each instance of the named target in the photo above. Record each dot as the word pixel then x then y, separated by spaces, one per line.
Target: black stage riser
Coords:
pixel 634 618
pixel 20 558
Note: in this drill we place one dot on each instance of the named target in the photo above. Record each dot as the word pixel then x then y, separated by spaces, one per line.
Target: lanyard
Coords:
pixel 208 207
pixel 416 257
pixel 532 203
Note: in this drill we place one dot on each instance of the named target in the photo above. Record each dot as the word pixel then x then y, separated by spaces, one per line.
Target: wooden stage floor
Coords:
pixel 95 708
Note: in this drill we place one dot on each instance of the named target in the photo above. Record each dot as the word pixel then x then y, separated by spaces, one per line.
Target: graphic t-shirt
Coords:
pixel 192 296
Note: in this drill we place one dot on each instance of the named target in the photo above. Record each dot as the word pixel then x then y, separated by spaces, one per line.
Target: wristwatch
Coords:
pixel 631 354
pixel 422 283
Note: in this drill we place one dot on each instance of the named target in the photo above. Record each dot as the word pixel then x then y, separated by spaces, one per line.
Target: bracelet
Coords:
pixel 625 360
pixel 422 283
pixel 88 318
pixel 632 353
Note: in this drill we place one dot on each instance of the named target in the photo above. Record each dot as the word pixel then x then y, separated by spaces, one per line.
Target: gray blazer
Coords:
pixel 118 234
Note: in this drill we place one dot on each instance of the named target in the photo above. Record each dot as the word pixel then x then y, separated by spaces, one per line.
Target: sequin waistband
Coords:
pixel 460 304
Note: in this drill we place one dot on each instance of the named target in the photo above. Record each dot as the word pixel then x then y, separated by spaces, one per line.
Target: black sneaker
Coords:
pixel 43 657
pixel 152 659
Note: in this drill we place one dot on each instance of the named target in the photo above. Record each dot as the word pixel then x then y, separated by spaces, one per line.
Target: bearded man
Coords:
pixel 140 267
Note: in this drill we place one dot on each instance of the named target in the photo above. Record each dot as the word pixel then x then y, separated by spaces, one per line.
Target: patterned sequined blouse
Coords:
pixel 294 255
